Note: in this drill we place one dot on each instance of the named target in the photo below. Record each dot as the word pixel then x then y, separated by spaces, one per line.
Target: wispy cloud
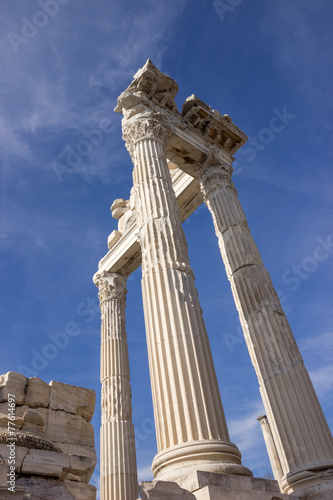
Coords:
pixel 145 473
pixel 319 350
pixel 44 108
pixel 297 38
pixel 322 379
pixel 245 430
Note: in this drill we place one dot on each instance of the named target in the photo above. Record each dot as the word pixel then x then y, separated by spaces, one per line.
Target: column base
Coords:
pixel 315 483
pixel 207 455
pixel 201 485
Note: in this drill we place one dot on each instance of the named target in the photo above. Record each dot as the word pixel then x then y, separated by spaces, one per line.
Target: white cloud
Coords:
pixel 145 473
pixel 245 431
pixel 142 41
pixel 57 97
pixel 322 379
pixel 320 347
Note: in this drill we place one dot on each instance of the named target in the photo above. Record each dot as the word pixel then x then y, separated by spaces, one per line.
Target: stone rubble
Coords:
pixel 54 440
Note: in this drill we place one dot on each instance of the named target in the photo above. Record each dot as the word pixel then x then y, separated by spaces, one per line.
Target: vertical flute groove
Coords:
pixel 298 426
pixel 186 397
pixel 118 460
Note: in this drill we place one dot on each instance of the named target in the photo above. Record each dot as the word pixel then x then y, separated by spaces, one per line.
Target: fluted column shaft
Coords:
pixel 299 428
pixel 118 460
pixel 189 418
pixel 271 448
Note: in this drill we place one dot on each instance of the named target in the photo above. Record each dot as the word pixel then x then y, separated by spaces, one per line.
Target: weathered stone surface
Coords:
pixel 37 393
pixel 81 491
pixel 20 454
pixel 207 485
pixel 41 466
pixel 72 399
pixel 216 493
pixel 4 421
pixel 198 433
pixel 113 238
pixel 65 427
pixel 41 488
pixel 15 384
pixel 118 474
pixel 34 423
pixel 202 485
pixel 3 472
pixel 81 451
pixel 163 490
pixel 19 410
pixel 46 463
pixel 18 494
pixel 81 468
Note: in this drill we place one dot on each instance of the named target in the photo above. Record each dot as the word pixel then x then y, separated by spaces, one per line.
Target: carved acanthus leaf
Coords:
pixel 213 173
pixel 144 128
pixel 111 286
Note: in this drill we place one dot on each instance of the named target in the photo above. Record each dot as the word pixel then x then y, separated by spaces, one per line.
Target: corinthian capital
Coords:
pixel 213 173
pixel 144 127
pixel 111 286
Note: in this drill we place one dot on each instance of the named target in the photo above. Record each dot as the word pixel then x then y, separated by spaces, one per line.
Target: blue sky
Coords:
pixel 60 80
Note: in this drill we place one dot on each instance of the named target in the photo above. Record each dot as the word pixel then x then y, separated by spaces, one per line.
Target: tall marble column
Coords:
pixel 190 424
pixel 118 460
pixel 299 429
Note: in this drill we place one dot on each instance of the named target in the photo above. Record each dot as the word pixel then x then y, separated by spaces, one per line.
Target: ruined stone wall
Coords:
pixel 51 451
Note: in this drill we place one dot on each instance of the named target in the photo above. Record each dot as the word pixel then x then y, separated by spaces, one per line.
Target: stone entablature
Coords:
pixel 179 160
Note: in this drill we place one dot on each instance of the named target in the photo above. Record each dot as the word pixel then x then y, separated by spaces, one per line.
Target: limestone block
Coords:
pixel 20 454
pixel 4 421
pixel 9 495
pixel 199 479
pixel 42 488
pixel 81 491
pixel 37 393
pixel 72 399
pixel 3 474
pixel 13 383
pixel 81 468
pixel 113 238
pixel 19 410
pixel 65 427
pixel 46 463
pixel 34 423
pixel 218 493
pixel 211 486
pixel 163 490
pixel 81 451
